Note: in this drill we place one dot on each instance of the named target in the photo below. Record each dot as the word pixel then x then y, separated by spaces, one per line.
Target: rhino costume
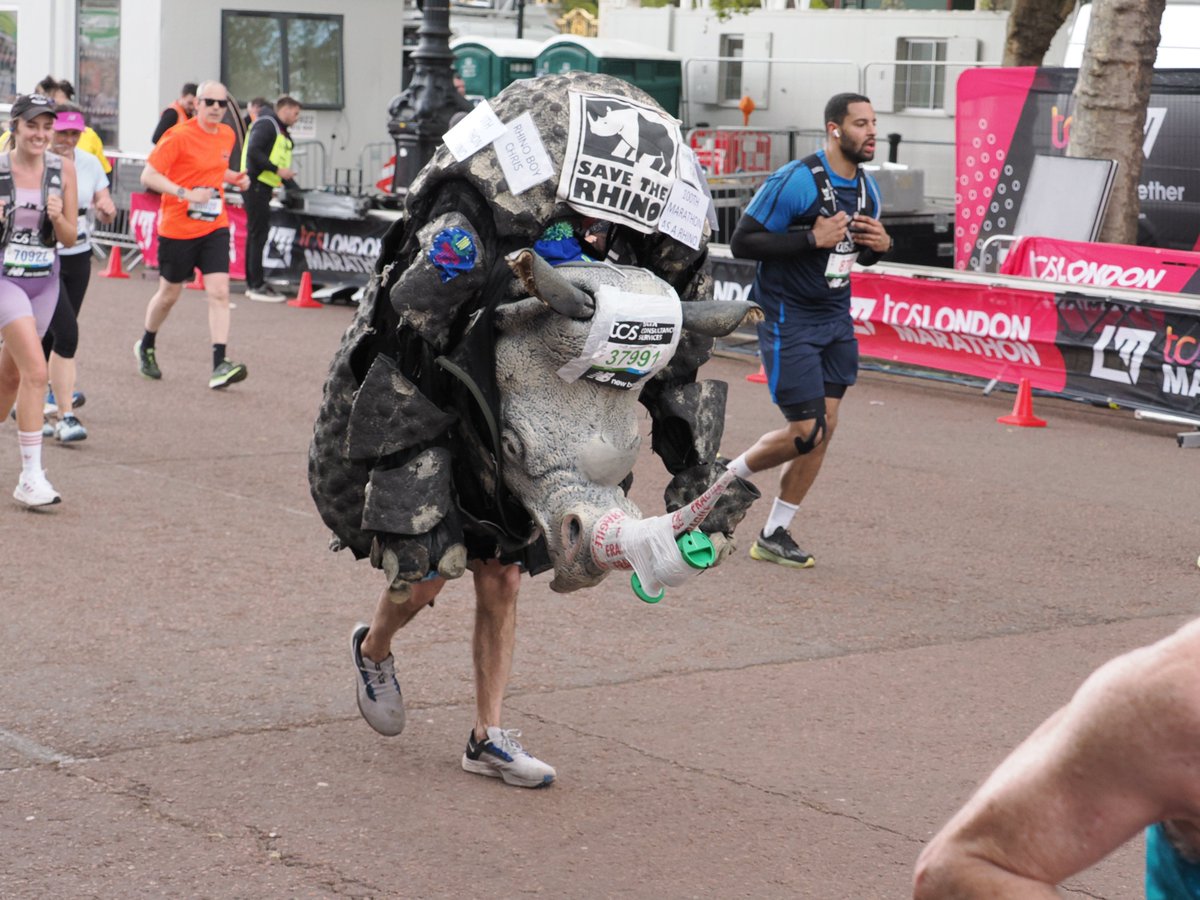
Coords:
pixel 438 440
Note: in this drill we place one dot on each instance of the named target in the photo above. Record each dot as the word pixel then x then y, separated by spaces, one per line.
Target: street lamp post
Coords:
pixel 420 115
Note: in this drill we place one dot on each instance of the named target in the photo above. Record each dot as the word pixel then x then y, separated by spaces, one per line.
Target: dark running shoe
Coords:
pixel 500 756
pixel 227 373
pixel 147 361
pixel 779 548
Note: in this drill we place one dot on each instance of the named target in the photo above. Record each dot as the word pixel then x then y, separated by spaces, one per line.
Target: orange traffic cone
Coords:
pixel 197 283
pixel 114 268
pixel 1022 413
pixel 759 377
pixel 304 300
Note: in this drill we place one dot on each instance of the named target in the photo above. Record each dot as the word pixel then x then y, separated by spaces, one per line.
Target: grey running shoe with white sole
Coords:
pixel 69 429
pixel 379 697
pixel 779 548
pixel 501 756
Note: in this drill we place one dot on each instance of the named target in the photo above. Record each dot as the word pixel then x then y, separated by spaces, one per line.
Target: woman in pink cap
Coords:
pixel 37 206
pixel 62 340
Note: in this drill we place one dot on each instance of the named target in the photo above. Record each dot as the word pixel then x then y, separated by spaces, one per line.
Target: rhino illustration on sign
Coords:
pixel 446 431
pixel 640 141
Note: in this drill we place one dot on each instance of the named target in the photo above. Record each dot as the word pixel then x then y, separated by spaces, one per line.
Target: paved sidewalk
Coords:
pixel 178 716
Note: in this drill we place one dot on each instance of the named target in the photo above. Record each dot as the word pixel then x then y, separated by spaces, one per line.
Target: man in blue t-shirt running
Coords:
pixel 807 226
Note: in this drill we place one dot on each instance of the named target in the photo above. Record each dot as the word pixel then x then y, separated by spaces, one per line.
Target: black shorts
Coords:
pixel 178 258
pixel 808 362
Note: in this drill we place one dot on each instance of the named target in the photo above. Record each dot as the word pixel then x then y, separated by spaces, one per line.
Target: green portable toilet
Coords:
pixel 657 72
pixel 490 64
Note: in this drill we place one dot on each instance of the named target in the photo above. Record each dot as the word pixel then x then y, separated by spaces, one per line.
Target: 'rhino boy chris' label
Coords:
pixel 632 337
pixel 622 160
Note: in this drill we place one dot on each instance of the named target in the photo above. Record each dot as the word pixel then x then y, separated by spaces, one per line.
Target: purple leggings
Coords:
pixel 35 297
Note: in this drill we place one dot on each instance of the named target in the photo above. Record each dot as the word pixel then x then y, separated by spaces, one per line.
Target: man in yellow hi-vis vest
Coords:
pixel 267 159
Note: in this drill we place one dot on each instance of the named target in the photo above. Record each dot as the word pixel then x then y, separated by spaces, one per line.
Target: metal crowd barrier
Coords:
pixel 125 179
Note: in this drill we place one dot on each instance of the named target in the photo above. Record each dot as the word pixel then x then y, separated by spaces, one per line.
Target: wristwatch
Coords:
pixel 180 191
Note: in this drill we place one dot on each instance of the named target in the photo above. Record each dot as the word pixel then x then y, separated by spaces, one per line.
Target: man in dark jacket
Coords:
pixel 179 111
pixel 267 159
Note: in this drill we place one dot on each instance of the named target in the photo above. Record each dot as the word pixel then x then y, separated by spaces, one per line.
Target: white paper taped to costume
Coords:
pixel 522 155
pixel 622 159
pixel 632 336
pixel 476 130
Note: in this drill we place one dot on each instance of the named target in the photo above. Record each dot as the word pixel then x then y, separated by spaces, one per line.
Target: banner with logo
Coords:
pixel 1143 355
pixel 1006 117
pixel 1105 265
pixel 334 251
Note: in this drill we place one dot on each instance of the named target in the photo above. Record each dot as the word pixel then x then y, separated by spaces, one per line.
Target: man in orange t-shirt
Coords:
pixel 189 167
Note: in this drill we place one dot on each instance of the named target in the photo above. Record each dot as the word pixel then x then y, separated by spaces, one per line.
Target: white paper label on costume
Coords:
pixel 208 210
pixel 477 129
pixel 27 259
pixel 522 155
pixel 632 336
pixel 684 215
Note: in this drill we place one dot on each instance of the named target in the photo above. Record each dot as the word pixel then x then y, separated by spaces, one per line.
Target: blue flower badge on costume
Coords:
pixel 452 253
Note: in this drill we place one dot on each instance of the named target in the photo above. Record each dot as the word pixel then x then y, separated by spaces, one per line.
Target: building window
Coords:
pixel 269 54
pixel 920 86
pixel 98 64
pixel 729 73
pixel 8 54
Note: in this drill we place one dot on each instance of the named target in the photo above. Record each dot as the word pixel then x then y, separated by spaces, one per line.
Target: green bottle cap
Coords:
pixel 641 591
pixel 697 549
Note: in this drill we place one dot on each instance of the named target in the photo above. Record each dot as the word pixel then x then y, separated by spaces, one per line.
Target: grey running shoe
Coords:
pixel 379 697
pixel 70 429
pixel 781 549
pixel 501 756
pixel 227 373
pixel 147 361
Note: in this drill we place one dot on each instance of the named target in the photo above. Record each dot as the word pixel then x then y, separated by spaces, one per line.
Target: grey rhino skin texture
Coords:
pixel 425 318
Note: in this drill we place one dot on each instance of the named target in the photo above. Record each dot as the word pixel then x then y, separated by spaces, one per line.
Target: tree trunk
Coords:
pixel 1032 25
pixel 1110 101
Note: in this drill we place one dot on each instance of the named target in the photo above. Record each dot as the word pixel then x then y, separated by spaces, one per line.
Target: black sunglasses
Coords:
pixel 209 101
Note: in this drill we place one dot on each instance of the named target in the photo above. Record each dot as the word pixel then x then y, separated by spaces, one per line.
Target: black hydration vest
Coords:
pixel 52 185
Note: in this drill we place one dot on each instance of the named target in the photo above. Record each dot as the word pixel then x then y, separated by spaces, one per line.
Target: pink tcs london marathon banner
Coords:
pixel 1006 117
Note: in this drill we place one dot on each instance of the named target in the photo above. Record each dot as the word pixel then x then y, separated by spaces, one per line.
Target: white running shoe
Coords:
pixel 379 697
pixel 501 756
pixel 70 429
pixel 34 490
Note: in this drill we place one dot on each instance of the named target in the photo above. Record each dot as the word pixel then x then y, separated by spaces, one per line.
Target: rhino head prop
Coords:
pixel 568 446
pixel 445 432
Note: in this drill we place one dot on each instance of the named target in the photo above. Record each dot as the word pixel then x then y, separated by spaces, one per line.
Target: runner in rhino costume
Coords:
pixel 412 463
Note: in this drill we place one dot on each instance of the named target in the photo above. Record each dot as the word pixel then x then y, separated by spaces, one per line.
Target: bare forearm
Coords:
pixel 946 875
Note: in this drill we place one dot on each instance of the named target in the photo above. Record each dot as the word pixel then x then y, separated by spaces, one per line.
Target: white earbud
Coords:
pixel 836 133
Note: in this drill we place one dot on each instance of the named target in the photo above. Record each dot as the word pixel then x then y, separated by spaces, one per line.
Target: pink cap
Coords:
pixel 69 120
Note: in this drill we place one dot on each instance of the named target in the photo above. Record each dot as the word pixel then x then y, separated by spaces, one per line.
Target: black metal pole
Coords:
pixel 420 115
pixel 520 18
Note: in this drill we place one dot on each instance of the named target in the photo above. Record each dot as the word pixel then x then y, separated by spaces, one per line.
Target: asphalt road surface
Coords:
pixel 178 719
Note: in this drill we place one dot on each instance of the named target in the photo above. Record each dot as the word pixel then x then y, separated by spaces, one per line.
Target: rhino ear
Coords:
pixel 717 318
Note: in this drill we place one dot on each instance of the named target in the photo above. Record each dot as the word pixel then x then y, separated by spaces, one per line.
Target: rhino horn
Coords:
pixel 717 318
pixel 539 279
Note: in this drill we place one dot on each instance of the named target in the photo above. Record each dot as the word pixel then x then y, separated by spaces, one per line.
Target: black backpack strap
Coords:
pixel 825 186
